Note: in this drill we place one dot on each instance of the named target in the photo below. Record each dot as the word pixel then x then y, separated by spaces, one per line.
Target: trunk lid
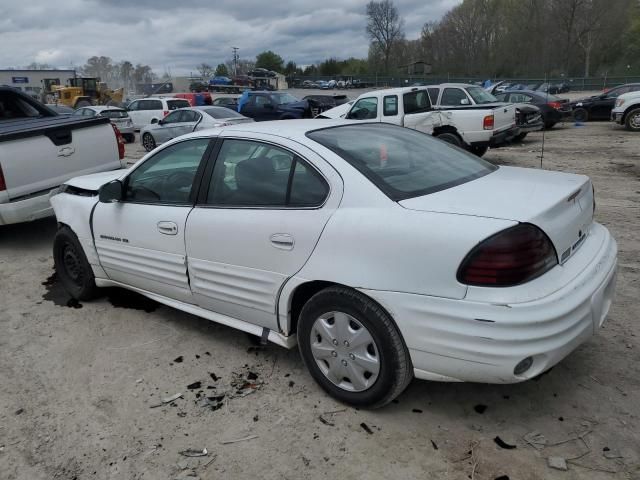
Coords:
pixel 561 204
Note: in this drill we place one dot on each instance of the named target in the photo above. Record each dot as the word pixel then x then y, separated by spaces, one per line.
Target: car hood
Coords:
pixel 95 180
pixel 561 204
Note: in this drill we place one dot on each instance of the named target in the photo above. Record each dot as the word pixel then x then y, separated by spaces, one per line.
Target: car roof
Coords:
pixel 459 85
pixel 102 108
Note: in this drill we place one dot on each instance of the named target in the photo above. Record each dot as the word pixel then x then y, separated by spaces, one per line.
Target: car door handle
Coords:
pixel 168 228
pixel 283 241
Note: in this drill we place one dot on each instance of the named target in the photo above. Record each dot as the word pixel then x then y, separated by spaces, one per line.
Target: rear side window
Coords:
pixel 114 113
pixel 254 174
pixel 175 104
pixel 416 102
pixel 390 105
pixel 403 163
pixel 150 105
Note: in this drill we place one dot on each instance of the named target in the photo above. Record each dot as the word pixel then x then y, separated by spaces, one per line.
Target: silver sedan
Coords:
pixel 186 120
pixel 118 116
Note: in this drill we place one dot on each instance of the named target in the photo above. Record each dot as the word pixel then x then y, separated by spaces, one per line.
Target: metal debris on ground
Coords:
pixel 558 463
pixel 366 428
pixel 536 440
pixel 244 439
pixel 194 385
pixel 502 444
pixel 611 454
pixel 166 400
pixel 179 359
pixel 325 421
pixel 194 452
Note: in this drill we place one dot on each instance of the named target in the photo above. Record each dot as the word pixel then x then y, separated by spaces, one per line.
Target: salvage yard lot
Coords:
pixel 78 381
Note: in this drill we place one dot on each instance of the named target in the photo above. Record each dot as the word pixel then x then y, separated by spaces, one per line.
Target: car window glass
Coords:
pixel 79 112
pixel 520 98
pixel 390 105
pixel 416 102
pixel 134 106
pixel 453 97
pixel 250 173
pixel 167 176
pixel 365 109
pixel 190 116
pixel 262 100
pixel 308 188
pixel 175 104
pixel 502 97
pixel 433 95
pixel 173 117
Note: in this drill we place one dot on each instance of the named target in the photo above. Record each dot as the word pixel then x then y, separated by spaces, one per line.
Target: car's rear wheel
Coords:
pixel 521 136
pixel 580 115
pixel 148 142
pixel 352 348
pixel 129 137
pixel 632 121
pixel 72 266
pixel 478 151
pixel 451 138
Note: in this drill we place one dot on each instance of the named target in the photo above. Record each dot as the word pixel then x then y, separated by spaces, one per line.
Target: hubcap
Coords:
pixel 72 263
pixel 345 351
pixel 148 142
pixel 635 121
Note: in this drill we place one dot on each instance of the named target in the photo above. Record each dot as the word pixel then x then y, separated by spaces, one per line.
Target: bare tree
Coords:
pixel 384 27
pixel 205 70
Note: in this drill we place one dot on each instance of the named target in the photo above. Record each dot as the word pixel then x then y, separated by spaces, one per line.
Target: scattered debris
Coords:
pixel 480 408
pixel 502 444
pixel 214 377
pixel 19 411
pixel 195 386
pixel 167 400
pixel 227 442
pixel 197 356
pixel 325 421
pixel 252 376
pixel 561 419
pixel 558 463
pixel 611 454
pixel 179 359
pixel 256 418
pixel 291 383
pixel 434 445
pixel 502 477
pixel 416 410
pixel 536 440
pixel 207 353
pixel 139 380
pixel 194 452
pixel 366 428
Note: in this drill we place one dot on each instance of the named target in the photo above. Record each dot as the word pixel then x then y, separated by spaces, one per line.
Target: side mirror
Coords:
pixel 111 192
pixel 464 101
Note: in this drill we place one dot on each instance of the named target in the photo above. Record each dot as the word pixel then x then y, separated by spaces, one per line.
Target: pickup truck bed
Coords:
pixel 40 150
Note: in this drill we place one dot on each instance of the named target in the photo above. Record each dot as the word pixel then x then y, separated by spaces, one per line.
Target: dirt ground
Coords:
pixel 78 381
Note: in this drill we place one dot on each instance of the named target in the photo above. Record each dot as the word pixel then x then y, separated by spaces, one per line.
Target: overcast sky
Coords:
pixel 179 34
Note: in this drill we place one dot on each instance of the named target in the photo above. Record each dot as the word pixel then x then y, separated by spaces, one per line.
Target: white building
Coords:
pixel 32 81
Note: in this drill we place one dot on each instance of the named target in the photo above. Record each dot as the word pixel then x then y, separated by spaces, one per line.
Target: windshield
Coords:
pixel 480 95
pixel 114 113
pixel 403 163
pixel 222 112
pixel 283 98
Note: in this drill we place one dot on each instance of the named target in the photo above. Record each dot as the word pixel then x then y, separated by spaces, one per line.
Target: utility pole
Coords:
pixel 235 61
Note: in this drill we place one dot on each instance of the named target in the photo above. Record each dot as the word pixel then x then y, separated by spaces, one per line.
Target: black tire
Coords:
pixel 129 137
pixel 550 125
pixel 72 266
pixel 521 136
pixel 395 368
pixel 148 142
pixel 478 151
pixel 632 120
pixel 450 137
pixel 580 115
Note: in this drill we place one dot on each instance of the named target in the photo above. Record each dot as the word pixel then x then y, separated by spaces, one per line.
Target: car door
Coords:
pixel 141 240
pixel 257 223
pixel 136 114
pixel 188 122
pixel 265 108
pixel 454 97
pixel 168 127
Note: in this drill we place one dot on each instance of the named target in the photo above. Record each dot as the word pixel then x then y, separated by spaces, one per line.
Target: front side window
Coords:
pixel 254 174
pixel 134 106
pixel 481 96
pixel 453 97
pixel 390 107
pixel 403 163
pixel 173 117
pixel 365 109
pixel 167 177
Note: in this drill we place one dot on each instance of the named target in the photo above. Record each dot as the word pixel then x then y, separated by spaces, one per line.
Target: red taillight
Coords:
pixel 165 113
pixel 3 184
pixel 556 105
pixel 487 123
pixel 511 257
pixel 120 140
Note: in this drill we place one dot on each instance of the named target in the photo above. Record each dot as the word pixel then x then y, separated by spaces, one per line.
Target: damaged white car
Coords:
pixel 382 252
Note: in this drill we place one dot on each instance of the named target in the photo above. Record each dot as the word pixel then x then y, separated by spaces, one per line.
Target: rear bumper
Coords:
pixel 500 138
pixel 27 210
pixel 531 127
pixel 463 340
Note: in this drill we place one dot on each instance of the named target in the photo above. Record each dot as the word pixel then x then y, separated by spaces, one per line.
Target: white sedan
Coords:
pixel 382 252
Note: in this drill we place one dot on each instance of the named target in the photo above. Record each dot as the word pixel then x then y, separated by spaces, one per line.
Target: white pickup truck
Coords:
pixel 474 127
pixel 627 111
pixel 40 150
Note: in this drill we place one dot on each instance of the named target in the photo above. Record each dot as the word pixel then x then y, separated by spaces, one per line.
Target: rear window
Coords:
pixel 114 113
pixel 222 113
pixel 403 163
pixel 175 104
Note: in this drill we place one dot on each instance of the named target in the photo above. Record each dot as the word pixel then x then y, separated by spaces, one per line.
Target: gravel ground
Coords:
pixel 79 380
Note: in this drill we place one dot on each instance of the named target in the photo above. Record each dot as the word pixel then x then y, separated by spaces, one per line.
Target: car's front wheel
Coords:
pixel 72 266
pixel 632 122
pixel 148 142
pixel 352 348
pixel 580 115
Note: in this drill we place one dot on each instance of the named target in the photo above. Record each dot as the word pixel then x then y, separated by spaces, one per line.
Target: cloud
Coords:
pixel 179 35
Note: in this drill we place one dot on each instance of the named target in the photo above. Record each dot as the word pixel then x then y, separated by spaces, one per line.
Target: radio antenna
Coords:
pixel 544 128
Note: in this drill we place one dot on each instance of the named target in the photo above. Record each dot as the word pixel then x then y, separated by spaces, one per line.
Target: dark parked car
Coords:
pixel 552 108
pixel 321 103
pixel 553 88
pixel 599 107
pixel 229 102
pixel 266 105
